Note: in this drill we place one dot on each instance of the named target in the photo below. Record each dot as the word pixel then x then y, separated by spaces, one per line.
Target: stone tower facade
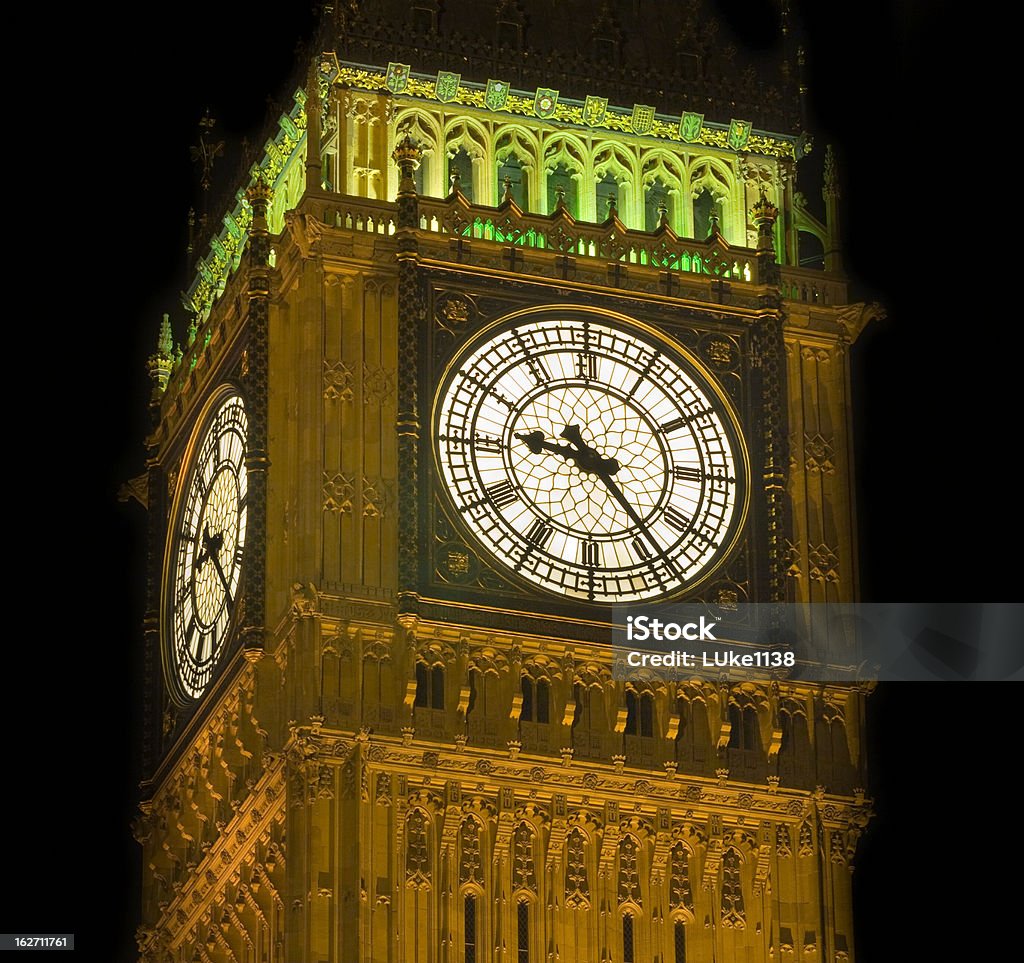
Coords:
pixel 390 739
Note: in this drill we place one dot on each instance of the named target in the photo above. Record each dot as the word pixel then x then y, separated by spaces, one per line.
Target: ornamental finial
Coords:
pixel 506 183
pixel 714 231
pixel 456 178
pixel 407 155
pixel 764 214
pixel 159 364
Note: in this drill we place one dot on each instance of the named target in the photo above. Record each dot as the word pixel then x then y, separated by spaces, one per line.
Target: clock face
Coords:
pixel 205 549
pixel 590 456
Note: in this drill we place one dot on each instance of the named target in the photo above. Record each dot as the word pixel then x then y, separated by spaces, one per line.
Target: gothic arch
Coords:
pixel 425 129
pixel 469 135
pixel 713 177
pixel 611 159
pixel 662 167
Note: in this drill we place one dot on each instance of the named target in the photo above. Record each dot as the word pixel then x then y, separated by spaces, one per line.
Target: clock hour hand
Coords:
pixel 586 458
pixel 212 544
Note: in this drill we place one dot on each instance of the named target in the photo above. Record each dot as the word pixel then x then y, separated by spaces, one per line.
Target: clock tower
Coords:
pixel 492 340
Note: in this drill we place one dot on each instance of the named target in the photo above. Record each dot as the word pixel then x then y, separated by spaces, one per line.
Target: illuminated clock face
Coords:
pixel 206 550
pixel 590 456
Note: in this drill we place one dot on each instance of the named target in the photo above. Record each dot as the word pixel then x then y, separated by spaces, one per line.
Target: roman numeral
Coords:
pixel 486 443
pixel 587 366
pixel 502 494
pixel 540 533
pixel 239 554
pixel 676 519
pixel 590 554
pixel 674 425
pixel 686 473
pixel 641 549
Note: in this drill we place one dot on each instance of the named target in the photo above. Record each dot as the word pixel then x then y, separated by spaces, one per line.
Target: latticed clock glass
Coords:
pixel 589 455
pixel 205 548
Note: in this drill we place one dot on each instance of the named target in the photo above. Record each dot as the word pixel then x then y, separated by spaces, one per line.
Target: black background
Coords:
pixel 892 85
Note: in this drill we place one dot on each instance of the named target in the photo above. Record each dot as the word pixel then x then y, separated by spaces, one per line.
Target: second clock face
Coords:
pixel 206 551
pixel 590 456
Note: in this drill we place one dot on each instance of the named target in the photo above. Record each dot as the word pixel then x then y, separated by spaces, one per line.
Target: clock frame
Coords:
pixel 548 504
pixel 205 548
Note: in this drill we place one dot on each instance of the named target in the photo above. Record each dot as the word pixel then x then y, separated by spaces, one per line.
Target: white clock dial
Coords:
pixel 590 456
pixel 206 549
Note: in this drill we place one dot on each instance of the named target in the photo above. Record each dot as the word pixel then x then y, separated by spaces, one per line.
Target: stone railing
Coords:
pixel 560 233
pixel 812 287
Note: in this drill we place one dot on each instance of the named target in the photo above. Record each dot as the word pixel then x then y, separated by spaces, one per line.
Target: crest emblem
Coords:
pixel 545 101
pixel 447 87
pixel 643 118
pixel 496 95
pixel 739 133
pixel 594 111
pixel 690 126
pixel 397 78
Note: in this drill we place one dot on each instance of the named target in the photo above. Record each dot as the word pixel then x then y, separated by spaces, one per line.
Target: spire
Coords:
pixel 159 364
pixel 830 194
pixel 456 178
pixel 612 210
pixel 662 213
pixel 560 198
pixel 830 186
pixel 506 183
pixel 314 163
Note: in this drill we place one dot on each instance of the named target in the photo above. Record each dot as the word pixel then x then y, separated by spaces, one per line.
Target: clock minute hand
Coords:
pixel 223 578
pixel 617 493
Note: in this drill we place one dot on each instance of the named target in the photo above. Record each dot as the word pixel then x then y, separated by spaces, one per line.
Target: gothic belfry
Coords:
pixel 500 333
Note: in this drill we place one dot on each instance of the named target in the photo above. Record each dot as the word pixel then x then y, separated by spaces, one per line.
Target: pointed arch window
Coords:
pixel 536 700
pixel 437 687
pixel 628 940
pixel 523 932
pixel 745 733
pixel 679 941
pixel 639 713
pixel 469 929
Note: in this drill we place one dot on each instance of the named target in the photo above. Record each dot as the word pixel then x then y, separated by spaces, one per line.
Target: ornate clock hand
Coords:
pixel 223 578
pixel 617 494
pixel 586 458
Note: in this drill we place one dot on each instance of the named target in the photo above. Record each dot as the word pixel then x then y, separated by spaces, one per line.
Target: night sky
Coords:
pixel 885 81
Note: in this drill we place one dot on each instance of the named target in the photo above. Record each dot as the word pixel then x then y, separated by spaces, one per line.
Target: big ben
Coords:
pixel 488 344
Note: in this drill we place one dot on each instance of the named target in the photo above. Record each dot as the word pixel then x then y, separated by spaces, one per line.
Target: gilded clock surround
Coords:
pixel 547 333
pixel 205 548
pixel 419 759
